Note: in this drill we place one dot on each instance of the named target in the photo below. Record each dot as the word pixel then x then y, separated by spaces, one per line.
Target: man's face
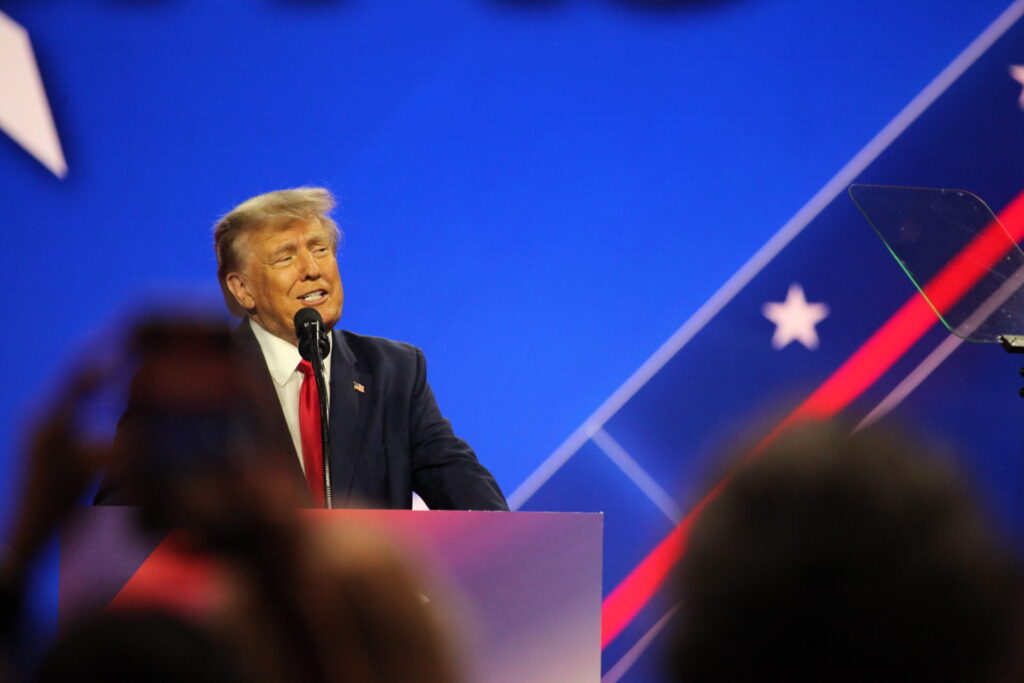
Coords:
pixel 284 269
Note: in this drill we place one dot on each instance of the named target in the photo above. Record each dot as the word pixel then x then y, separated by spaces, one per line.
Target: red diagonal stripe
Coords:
pixel 861 370
pixel 174 577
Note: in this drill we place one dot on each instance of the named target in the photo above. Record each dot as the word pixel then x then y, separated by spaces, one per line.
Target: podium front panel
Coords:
pixel 529 582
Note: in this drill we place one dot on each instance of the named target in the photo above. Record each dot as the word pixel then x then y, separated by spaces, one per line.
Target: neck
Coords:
pixel 290 338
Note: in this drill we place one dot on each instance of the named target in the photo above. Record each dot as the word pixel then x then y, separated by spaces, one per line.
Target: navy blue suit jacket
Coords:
pixel 390 439
pixel 387 440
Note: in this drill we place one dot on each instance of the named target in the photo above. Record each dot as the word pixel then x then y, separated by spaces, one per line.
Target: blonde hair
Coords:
pixel 273 208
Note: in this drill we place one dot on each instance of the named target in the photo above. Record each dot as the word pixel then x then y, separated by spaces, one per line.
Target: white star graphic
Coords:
pixel 1017 74
pixel 795 319
pixel 24 109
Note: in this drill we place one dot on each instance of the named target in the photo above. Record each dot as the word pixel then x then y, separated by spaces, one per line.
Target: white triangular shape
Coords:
pixel 24 111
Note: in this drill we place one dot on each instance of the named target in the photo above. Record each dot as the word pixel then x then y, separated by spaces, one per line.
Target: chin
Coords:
pixel 332 320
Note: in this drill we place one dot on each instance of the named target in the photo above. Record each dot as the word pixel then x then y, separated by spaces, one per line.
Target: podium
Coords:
pixel 531 581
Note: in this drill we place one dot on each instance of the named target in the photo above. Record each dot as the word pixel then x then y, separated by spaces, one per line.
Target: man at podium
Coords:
pixel 276 256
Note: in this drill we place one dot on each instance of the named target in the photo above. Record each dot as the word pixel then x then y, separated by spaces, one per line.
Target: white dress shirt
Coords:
pixel 283 362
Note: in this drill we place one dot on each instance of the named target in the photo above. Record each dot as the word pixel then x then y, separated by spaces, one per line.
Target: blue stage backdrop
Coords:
pixel 564 203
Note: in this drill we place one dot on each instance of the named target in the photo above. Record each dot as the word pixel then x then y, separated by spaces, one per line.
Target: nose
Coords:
pixel 309 269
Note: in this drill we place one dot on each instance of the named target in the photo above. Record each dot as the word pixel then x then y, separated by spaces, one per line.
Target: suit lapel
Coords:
pixel 250 349
pixel 347 404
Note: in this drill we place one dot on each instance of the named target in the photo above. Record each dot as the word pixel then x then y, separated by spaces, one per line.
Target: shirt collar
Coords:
pixel 282 357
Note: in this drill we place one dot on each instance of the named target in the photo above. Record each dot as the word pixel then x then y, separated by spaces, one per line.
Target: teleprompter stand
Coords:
pixel 963 260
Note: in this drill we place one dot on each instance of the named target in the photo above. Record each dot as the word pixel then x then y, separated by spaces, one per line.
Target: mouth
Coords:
pixel 314 297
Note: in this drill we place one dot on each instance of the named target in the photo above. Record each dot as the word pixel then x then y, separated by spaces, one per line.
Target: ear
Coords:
pixel 239 286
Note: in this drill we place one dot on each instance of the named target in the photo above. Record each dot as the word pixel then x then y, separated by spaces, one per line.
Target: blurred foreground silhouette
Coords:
pixel 830 557
pixel 298 601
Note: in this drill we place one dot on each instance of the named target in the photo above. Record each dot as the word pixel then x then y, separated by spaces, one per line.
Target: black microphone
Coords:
pixel 314 345
pixel 309 326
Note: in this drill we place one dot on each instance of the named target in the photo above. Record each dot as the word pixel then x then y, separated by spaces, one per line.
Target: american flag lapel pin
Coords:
pixel 359 387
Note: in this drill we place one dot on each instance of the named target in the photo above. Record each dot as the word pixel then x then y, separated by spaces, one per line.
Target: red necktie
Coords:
pixel 309 433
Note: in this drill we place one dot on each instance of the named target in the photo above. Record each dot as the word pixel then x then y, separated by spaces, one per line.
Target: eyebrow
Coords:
pixel 284 249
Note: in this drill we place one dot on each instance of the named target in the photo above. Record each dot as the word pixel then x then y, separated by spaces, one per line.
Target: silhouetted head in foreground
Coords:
pixel 138 646
pixel 365 612
pixel 829 557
